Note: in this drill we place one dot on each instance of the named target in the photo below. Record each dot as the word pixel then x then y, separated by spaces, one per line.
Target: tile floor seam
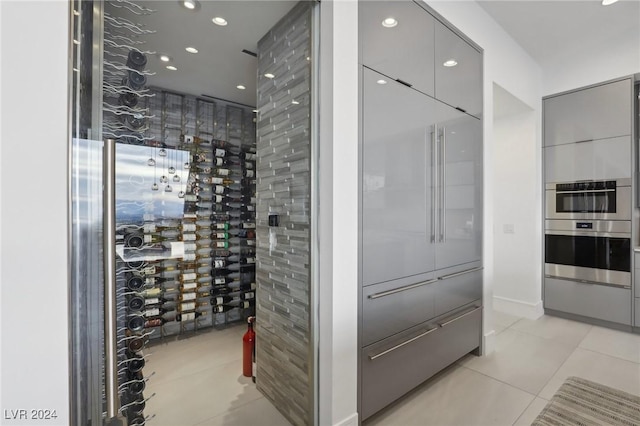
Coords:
pixel 525 410
pixel 555 372
pixel 546 338
pixel 498 380
pixel 608 355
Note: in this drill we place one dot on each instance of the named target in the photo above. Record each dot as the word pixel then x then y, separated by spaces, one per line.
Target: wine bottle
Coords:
pixel 220 235
pixel 221 300
pixel 219 309
pixel 155 322
pixel 156 311
pixel 136 60
pixel 152 228
pixel 222 280
pixel 135 303
pixel 128 99
pixel 193 139
pixel 220 291
pixel 220 244
pixel 184 297
pixel 248 165
pixel 246 233
pixel 248 173
pixel 189 316
pixel 248 295
pixel 190 306
pixel 156 301
pixel 193 286
pixel 221 160
pixel 248 156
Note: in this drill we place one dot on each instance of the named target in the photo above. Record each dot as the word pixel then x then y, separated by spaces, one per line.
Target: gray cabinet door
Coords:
pixel 403 51
pixel 589 114
pixel 459 205
pixel 396 182
pixel 458 85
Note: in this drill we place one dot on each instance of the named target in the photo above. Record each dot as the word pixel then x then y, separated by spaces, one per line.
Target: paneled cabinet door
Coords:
pixel 590 114
pixel 402 51
pixel 459 206
pixel 458 71
pixel 396 182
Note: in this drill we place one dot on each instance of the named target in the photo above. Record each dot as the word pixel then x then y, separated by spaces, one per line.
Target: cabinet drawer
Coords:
pixel 599 112
pixel 601 159
pixel 391 307
pixel 457 289
pixel 395 366
pixel 589 300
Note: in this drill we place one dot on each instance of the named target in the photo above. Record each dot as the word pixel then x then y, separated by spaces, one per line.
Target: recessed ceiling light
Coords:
pixel 389 22
pixel 295 102
pixel 240 86
pixel 172 68
pixel 269 75
pixel 608 2
pixel 450 63
pixel 189 4
pixel 191 49
pixel 165 58
pixel 381 81
pixel 219 21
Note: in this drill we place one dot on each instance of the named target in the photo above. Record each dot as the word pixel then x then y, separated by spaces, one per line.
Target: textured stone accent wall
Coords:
pixel 283 351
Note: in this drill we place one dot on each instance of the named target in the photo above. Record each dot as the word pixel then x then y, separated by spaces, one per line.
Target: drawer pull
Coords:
pixel 399 289
pixel 457 274
pixel 398 346
pixel 587 282
pixel 444 324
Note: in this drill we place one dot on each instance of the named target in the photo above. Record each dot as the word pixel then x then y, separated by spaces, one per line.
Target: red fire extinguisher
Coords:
pixel 248 347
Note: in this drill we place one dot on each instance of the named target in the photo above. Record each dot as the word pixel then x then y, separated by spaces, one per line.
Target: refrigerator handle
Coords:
pixel 434 179
pixel 443 185
pixel 109 259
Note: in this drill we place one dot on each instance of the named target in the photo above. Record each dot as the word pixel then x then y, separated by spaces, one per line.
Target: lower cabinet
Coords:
pixel 590 300
pixel 637 312
pixel 392 367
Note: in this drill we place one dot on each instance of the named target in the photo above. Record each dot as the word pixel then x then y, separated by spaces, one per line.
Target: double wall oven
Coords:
pixel 588 232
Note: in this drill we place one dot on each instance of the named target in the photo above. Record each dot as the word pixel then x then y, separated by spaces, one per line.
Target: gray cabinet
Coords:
pixel 590 300
pixel 591 160
pixel 403 51
pixel 398 123
pixel 459 237
pixel 458 71
pixel 598 112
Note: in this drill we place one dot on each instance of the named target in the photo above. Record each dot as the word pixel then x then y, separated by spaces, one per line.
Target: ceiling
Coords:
pixel 551 30
pixel 219 66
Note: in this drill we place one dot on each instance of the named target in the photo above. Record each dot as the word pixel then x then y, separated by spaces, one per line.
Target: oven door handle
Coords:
pixel 575 280
pixel 586 191
pixel 585 233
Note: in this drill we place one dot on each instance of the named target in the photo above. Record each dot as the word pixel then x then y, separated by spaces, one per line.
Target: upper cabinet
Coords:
pixel 589 114
pixel 458 72
pixel 397 40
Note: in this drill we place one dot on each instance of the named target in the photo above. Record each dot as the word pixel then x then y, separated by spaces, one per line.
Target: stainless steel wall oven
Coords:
pixel 595 252
pixel 591 200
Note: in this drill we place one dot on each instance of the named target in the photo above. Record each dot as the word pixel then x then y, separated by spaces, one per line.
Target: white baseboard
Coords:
pixel 488 343
pixel 518 308
pixel 352 420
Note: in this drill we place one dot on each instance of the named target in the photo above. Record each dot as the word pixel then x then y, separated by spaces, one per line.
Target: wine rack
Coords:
pixel 185 205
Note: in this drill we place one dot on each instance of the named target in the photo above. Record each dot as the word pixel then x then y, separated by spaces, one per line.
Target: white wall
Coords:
pixel 339 213
pixel 517 262
pixel 573 71
pixel 34 41
pixel 508 65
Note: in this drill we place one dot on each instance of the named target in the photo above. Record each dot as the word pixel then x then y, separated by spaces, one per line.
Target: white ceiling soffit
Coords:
pixel 219 66
pixel 551 30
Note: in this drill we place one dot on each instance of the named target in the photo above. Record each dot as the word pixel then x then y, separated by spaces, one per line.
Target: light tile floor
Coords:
pixel 198 380
pixel 512 385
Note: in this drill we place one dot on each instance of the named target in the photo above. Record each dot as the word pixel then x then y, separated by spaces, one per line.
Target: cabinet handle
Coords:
pixel 109 259
pixel 399 289
pixel 586 282
pixel 583 141
pixel 399 345
pixel 444 324
pixel 443 191
pixel 434 181
pixel 456 274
